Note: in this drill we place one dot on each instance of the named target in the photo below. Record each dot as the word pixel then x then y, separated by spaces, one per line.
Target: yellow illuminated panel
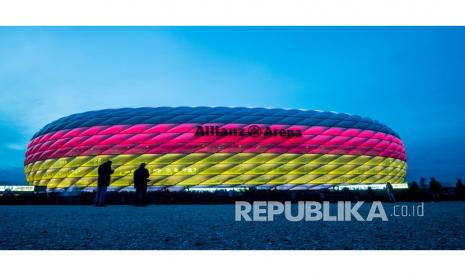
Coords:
pixel 220 169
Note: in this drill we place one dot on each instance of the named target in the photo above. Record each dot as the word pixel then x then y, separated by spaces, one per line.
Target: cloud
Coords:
pixel 49 74
pixel 19 147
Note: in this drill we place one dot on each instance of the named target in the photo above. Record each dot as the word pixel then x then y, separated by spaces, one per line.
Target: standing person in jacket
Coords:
pixel 104 178
pixel 390 192
pixel 141 176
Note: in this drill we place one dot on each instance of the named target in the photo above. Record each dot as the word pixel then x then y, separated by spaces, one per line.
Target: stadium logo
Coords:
pixel 251 131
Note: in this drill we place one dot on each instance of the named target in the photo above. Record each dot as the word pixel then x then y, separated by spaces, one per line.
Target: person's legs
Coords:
pixel 97 197
pixel 392 197
pixel 136 197
pixel 102 197
pixel 142 197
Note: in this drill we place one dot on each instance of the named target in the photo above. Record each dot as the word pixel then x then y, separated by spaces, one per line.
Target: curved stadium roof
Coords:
pixel 202 115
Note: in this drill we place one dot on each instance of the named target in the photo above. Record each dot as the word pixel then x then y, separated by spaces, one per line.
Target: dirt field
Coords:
pixel 214 227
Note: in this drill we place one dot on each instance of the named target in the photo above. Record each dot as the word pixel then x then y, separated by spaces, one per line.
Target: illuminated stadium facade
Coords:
pixel 204 147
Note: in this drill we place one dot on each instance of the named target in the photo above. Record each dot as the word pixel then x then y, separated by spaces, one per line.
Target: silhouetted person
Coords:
pixel 141 176
pixel 346 194
pixel 460 189
pixel 104 178
pixel 370 194
pixel 435 188
pixel 423 184
pixel 414 190
pixel 390 192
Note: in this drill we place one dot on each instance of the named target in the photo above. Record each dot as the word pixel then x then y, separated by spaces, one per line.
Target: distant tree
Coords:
pixel 435 188
pixel 414 188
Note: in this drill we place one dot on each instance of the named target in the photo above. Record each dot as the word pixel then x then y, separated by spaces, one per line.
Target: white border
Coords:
pixel 78 263
pixel 232 12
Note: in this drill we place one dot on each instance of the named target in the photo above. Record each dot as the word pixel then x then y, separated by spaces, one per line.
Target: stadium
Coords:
pixel 216 147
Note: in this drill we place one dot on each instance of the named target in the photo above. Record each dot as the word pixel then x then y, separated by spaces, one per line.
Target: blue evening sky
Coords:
pixel 411 78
